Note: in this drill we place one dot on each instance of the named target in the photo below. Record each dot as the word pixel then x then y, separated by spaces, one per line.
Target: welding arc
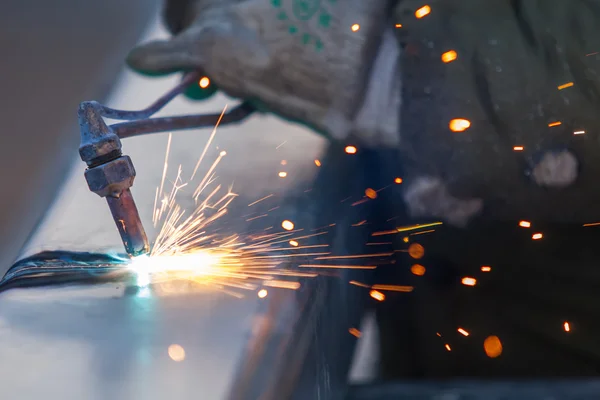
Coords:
pixel 155 125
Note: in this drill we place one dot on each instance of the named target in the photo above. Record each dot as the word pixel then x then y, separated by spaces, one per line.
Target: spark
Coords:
pixel 567 326
pixel 398 25
pixel 492 346
pixel 317 163
pixel 262 293
pixel 377 295
pixel 463 332
pixel 552 124
pixel 187 247
pixel 398 180
pixel 578 132
pixel 259 200
pixel 447 346
pixel 355 332
pixel 537 236
pixel 416 251
pixel 355 27
pixel 277 148
pixel 293 243
pixel 459 125
pixel 468 281
pixel 370 193
pixel 592 224
pixel 287 225
pixel 518 148
pixel 525 224
pixel 418 269
pixel 338 266
pixel 566 85
pixel 350 149
pixel 449 56
pixel 393 288
pixel 356 283
pixel 486 268
pixel 204 82
pixel 423 11
pixel 282 174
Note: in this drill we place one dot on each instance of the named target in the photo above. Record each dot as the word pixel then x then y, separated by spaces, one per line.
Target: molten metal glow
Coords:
pixel 423 11
pixel 355 27
pixel 525 224
pixel 449 56
pixel 459 125
pixel 468 281
pixel 350 149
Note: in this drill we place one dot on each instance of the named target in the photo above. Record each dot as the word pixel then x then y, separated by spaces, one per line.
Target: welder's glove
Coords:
pixel 329 64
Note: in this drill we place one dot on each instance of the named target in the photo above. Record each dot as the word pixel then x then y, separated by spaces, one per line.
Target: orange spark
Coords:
pixel 377 295
pixel 468 281
pixel 398 180
pixel 293 243
pixel 492 346
pixel 567 326
pixel 176 352
pixel 518 148
pixel 393 288
pixel 449 56
pixel 525 224
pixel 282 174
pixel 356 283
pixel 463 332
pixel 447 346
pixel 350 149
pixel 354 332
pixel 486 268
pixel 557 123
pixel 262 293
pixel 287 225
pixel 566 85
pixel 355 27
pixel 370 193
pixel 459 125
pixel 416 251
pixel 578 132
pixel 317 163
pixel 337 266
pixel 398 25
pixel 537 236
pixel 204 82
pixel 418 269
pixel 282 284
pixel 423 11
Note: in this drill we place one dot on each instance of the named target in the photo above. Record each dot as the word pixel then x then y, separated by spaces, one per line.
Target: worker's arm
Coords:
pixel 331 64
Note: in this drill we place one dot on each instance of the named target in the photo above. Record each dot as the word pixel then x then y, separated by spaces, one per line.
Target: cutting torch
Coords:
pixel 110 173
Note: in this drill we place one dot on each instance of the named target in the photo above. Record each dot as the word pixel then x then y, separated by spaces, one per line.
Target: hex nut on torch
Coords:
pixel 97 139
pixel 111 178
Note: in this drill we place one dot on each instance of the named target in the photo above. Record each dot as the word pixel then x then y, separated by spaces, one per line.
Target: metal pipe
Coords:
pixel 129 224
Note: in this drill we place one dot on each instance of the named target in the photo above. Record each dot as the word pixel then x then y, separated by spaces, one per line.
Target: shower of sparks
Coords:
pixel 187 246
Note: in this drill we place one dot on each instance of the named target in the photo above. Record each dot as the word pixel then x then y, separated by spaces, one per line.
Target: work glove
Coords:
pixel 331 64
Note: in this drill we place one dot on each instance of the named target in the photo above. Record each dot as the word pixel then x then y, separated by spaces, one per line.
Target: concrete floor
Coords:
pixel 98 343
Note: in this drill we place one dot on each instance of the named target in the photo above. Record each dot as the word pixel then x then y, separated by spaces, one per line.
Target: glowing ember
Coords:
pixel 468 281
pixel 552 124
pixel 282 174
pixel 350 149
pixel 398 25
pixel 287 225
pixel 567 327
pixel 355 332
pixel 262 293
pixel 423 11
pixel 416 251
pixel 537 236
pixel 418 269
pixel 566 85
pixel 486 268
pixel 398 180
pixel 293 243
pixel 447 346
pixel 525 224
pixel 459 125
pixel 463 332
pixel 518 148
pixel 204 82
pixel 492 346
pixel 578 132
pixel 317 163
pixel 449 56
pixel 355 27
pixel 377 295
pixel 370 193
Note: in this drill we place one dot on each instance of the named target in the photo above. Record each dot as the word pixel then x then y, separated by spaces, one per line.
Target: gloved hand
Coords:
pixel 329 64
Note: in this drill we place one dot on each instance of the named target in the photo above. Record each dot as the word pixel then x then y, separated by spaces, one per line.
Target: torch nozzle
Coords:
pixel 129 224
